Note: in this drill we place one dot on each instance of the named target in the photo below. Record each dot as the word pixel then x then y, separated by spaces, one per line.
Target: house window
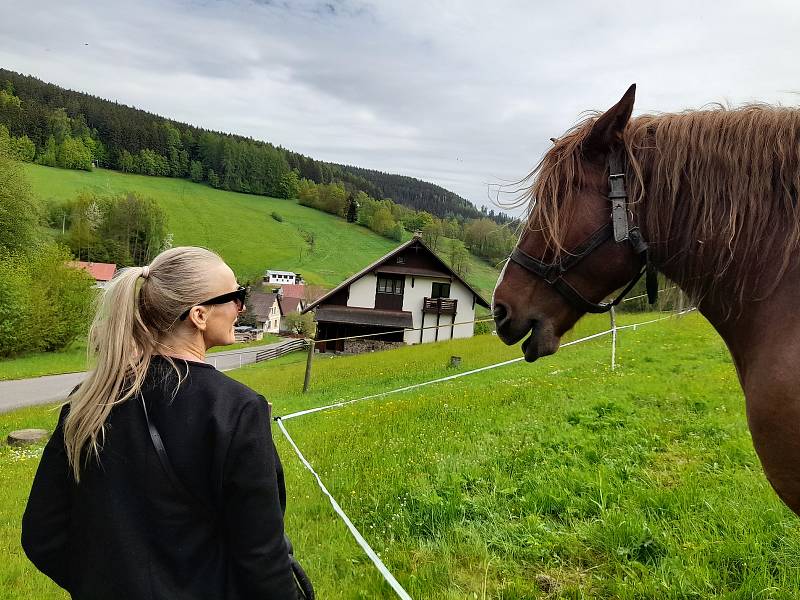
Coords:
pixel 391 285
pixel 440 290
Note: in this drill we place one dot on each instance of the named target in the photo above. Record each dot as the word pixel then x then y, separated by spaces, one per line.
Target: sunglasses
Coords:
pixel 237 296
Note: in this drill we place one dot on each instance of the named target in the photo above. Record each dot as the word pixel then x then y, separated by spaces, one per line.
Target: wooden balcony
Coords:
pixel 439 306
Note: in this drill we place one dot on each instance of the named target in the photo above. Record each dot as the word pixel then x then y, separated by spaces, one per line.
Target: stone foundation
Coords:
pixel 359 346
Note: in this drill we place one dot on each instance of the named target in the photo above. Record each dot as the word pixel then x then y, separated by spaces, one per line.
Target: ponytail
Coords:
pixel 138 306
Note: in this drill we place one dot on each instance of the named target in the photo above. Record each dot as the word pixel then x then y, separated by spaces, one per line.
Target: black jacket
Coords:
pixel 125 532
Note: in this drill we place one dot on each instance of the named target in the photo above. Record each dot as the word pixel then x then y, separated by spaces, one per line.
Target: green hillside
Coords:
pixel 240 226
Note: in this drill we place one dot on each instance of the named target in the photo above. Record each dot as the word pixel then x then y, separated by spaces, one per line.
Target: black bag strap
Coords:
pixel 166 465
pixel 304 587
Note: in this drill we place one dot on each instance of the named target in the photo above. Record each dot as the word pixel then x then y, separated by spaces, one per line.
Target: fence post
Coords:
pixel 680 302
pixel 307 378
pixel 613 338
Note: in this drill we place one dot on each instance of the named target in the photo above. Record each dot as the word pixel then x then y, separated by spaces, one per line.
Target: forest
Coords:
pixel 75 130
pixel 49 125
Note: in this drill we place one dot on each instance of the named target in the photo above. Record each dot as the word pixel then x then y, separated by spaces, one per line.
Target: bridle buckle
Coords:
pixel 619 229
pixel 554 272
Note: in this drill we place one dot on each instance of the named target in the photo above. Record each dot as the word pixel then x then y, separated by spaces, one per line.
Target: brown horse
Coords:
pixel 710 199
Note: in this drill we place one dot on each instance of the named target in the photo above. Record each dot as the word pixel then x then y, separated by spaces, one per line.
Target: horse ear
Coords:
pixel 607 129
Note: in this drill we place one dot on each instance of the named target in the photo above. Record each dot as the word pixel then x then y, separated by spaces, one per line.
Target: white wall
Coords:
pixel 273 324
pixel 362 295
pixel 282 278
pixel 362 291
pixel 412 302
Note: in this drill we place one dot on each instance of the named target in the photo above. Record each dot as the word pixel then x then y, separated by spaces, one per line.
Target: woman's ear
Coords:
pixel 198 315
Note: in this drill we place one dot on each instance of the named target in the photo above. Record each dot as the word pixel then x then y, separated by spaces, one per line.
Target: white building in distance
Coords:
pixel 282 277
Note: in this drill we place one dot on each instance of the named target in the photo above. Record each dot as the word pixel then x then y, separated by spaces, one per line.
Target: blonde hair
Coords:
pixel 139 305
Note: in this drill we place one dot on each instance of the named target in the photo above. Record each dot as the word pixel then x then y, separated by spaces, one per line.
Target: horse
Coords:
pixel 708 198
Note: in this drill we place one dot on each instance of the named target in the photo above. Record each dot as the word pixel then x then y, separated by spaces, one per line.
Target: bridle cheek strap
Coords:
pixel 618 229
pixel 554 275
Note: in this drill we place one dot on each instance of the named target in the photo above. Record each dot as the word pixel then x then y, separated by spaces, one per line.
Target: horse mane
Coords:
pixel 717 191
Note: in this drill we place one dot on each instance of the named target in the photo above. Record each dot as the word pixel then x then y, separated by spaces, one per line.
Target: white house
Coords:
pixel 267 311
pixel 282 277
pixel 397 295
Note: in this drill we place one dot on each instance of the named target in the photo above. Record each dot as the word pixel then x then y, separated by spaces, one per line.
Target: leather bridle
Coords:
pixel 619 228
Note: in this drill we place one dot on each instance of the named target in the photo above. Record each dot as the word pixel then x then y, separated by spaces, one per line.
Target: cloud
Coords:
pixel 462 94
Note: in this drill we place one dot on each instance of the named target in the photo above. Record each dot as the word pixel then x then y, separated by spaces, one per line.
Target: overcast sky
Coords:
pixel 462 94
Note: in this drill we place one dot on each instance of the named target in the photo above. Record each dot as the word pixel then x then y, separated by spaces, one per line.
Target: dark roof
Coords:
pixel 290 304
pixel 376 266
pixel 404 270
pixel 398 319
pixel 259 304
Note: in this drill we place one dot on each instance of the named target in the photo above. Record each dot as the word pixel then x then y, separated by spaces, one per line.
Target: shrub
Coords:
pixel 127 229
pixel 19 148
pixel 16 317
pixel 213 178
pixel 149 162
pixel 301 324
pixel 483 328
pixel 289 185
pixel 196 171
pixel 44 303
pixel 73 154
pixel 61 298
pixel 19 210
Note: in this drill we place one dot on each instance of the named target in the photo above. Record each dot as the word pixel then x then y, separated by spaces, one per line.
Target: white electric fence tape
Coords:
pixel 359 538
pixel 424 383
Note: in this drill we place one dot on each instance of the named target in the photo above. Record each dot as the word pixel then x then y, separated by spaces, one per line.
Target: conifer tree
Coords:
pixel 352 209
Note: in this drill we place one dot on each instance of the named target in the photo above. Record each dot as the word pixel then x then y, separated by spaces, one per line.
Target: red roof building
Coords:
pixel 102 272
pixel 289 304
pixel 293 290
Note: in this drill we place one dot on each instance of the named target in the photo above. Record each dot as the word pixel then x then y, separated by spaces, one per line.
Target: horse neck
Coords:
pixel 751 301
pixel 747 322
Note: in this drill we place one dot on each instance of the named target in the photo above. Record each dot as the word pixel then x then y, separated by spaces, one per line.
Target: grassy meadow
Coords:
pixel 240 227
pixel 560 479
pixel 71 359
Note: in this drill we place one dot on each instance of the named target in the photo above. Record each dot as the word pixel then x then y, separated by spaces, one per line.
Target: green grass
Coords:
pixel 269 338
pixel 637 483
pixel 240 226
pixel 73 359
pixel 70 360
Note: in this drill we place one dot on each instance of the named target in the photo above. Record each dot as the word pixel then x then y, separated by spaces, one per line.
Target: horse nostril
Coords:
pixel 499 312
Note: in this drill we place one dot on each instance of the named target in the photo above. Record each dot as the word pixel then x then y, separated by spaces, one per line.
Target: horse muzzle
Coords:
pixel 541 342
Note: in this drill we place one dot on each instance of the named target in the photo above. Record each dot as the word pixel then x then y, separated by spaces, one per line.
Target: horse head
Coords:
pixel 569 256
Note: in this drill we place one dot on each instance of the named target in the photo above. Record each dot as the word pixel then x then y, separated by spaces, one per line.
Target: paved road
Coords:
pixel 52 388
pixel 39 390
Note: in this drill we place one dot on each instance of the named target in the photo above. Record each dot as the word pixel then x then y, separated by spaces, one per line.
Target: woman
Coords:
pixel 106 519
